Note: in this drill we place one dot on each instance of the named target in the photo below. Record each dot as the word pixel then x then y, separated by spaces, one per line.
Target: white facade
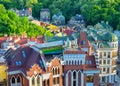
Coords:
pixel 36 82
pixel 107 62
pixel 71 72
pixel 75 58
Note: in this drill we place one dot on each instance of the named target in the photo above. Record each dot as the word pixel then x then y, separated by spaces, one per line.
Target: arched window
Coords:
pixel 13 80
pixel 100 46
pixel 74 75
pixel 54 82
pixel 57 80
pixel 44 83
pixel 38 81
pixel 72 62
pixel 78 62
pixel 55 70
pixel 18 79
pixel 19 83
pixel 69 62
pixel 74 78
pixel 58 70
pixel 47 82
pixel 75 62
pixel 66 62
pixel 33 81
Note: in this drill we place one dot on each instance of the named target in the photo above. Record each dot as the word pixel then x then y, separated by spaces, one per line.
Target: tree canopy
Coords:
pixel 93 10
pixel 11 24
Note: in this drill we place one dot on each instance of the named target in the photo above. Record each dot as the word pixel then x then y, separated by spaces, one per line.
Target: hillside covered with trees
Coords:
pixel 93 10
pixel 11 24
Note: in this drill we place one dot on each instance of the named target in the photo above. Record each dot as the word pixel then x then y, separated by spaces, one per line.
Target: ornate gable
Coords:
pixel 34 70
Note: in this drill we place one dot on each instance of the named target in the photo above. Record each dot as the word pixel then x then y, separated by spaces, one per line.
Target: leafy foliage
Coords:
pixel 11 24
pixel 93 10
pixel 99 10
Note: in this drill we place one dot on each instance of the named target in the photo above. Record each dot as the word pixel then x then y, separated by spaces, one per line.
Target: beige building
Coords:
pixel 105 48
pixel 107 55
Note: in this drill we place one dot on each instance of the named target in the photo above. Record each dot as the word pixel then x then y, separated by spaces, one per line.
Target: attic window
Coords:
pixel 23 53
pixel 83 42
pixel 88 62
pixel 18 63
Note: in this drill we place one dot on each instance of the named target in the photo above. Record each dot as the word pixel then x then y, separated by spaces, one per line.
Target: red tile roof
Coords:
pixel 2 39
pixel 68 31
pixel 83 38
pixel 22 40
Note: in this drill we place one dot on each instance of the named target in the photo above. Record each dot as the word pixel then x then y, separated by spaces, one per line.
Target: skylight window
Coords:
pixel 23 54
pixel 18 63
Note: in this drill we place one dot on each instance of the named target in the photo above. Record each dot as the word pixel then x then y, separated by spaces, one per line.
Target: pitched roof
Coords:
pixel 2 39
pixel 22 41
pixel 23 58
pixel 68 31
pixel 83 40
pixel 90 63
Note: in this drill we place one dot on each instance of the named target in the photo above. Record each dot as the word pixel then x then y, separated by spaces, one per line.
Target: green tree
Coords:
pixel 36 10
pixel 11 24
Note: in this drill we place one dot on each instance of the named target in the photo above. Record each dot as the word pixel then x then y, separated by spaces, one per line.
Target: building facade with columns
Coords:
pixel 28 67
pixel 80 67
pixel 107 54
pixel 105 49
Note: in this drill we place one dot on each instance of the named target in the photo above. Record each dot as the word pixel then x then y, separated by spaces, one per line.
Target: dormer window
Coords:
pixel 100 46
pixel 83 42
pixel 18 63
pixel 23 54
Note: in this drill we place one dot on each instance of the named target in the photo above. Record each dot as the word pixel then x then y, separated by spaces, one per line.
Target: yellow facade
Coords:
pixel 3 72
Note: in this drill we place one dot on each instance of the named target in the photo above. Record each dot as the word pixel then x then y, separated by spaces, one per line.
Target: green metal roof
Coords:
pixel 110 37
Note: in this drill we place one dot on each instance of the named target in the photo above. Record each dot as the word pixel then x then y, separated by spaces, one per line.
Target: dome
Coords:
pixel 110 37
pixel 61 17
pixel 54 17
